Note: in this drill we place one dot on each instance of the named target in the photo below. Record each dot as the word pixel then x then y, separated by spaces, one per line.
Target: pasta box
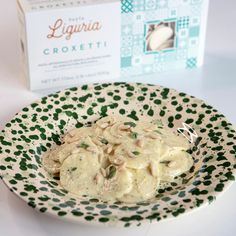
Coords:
pixel 65 43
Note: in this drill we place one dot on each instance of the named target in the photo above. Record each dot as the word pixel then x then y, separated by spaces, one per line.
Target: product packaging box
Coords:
pixel 69 42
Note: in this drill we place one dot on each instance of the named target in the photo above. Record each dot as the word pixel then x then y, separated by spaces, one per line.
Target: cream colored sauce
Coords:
pixel 119 159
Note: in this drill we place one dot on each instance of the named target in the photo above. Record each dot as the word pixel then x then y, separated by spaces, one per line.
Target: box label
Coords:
pixel 74 45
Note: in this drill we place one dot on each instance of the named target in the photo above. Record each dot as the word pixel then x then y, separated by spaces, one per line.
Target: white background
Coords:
pixel 215 82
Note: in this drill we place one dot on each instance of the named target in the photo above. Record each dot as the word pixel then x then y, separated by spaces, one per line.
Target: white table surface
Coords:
pixel 215 82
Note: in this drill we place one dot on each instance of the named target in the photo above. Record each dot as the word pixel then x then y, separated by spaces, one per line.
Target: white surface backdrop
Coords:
pixel 215 82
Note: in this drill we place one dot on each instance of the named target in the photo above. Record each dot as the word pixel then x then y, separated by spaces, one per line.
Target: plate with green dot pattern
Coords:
pixel 40 127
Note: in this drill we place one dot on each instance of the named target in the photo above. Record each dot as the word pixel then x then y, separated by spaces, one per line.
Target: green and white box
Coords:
pixel 65 43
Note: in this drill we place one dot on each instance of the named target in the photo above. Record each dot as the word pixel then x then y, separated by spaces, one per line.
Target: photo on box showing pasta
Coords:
pixel 160 36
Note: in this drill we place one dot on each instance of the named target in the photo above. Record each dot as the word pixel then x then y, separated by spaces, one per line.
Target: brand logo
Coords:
pixel 60 29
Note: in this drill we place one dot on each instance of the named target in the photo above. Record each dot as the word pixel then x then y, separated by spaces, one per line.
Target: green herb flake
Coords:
pixel 72 169
pixel 134 135
pixel 165 162
pixel 83 145
pixel 131 124
pixel 104 141
pixel 158 131
pixel 136 153
pixel 111 172
pixel 159 124
pixel 189 151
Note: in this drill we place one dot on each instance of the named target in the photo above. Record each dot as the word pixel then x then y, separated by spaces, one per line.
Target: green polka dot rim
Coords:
pixel 40 126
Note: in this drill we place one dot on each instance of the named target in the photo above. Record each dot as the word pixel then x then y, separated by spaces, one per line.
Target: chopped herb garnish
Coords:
pixel 83 145
pixel 72 169
pixel 131 124
pixel 134 135
pixel 189 151
pixel 111 172
pixel 136 153
pixel 165 162
pixel 157 131
pixel 185 181
pixel 104 141
pixel 159 124
pixel 89 124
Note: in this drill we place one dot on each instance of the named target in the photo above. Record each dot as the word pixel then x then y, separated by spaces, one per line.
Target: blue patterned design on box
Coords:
pixel 194 31
pixel 194 2
pixel 126 6
pixel 150 5
pixel 142 17
pixel 138 5
pixel 162 3
pixel 126 61
pixel 191 63
pixel 183 23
